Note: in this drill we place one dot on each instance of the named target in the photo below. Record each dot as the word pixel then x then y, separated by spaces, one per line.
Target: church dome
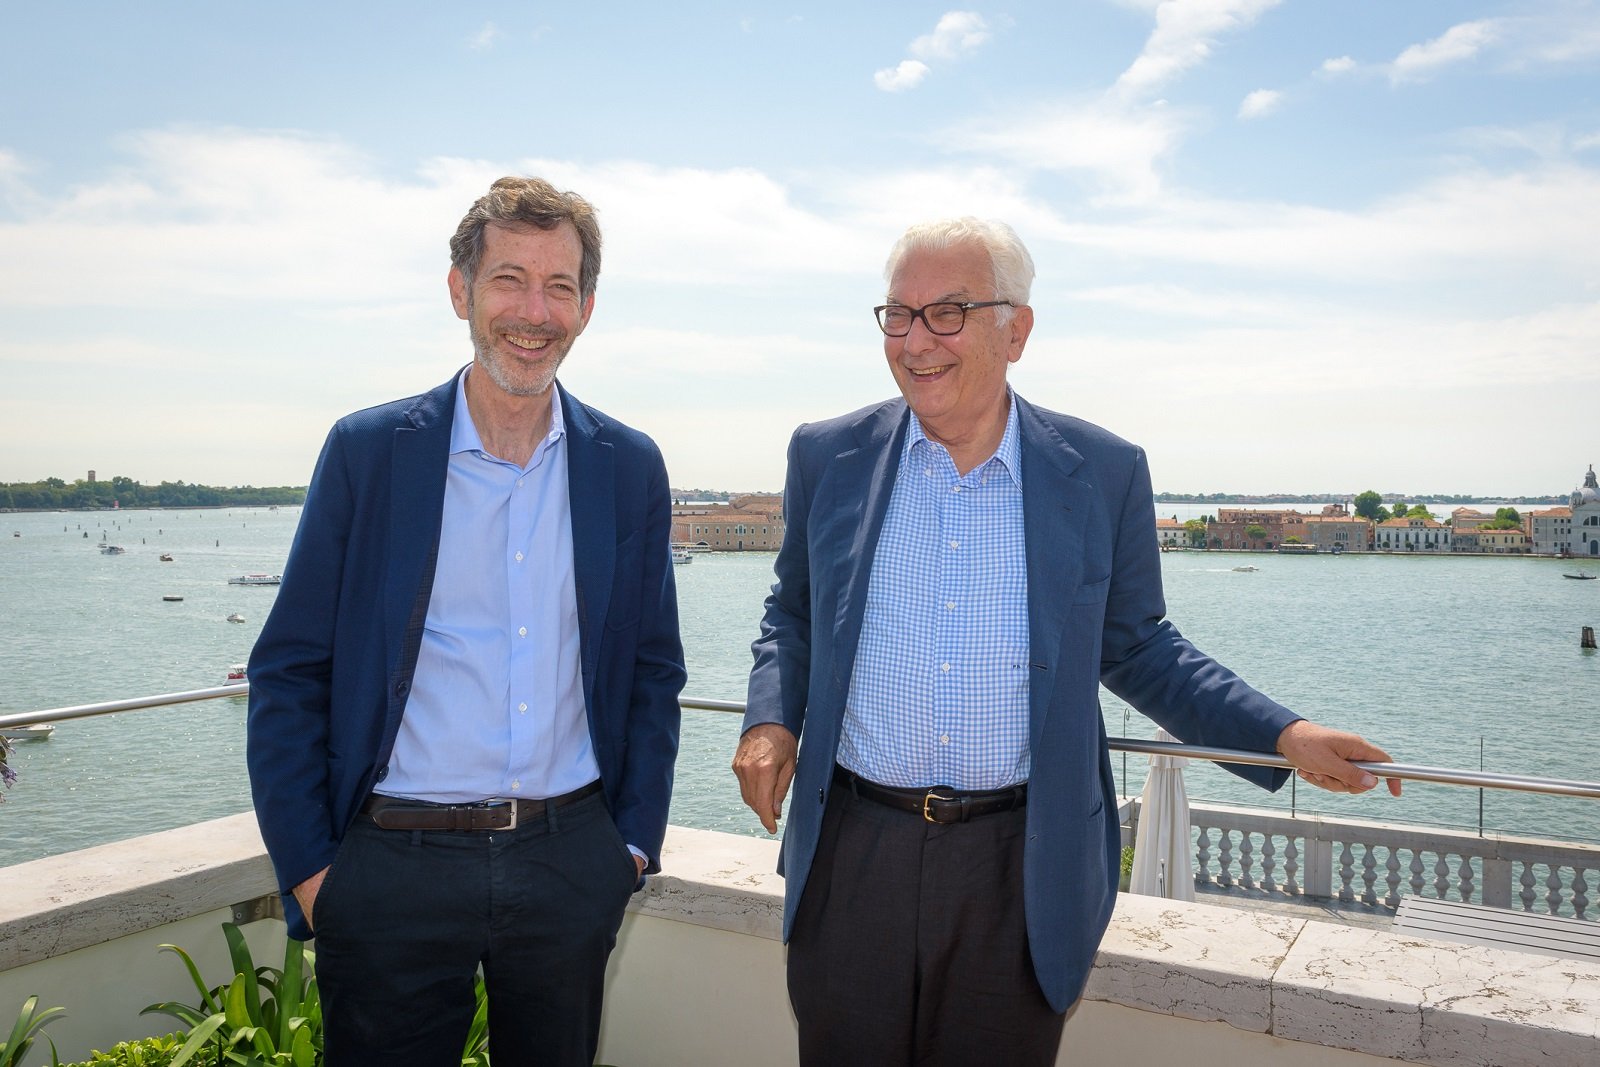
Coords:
pixel 1588 493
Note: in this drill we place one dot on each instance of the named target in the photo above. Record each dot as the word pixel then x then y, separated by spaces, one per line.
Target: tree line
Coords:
pixel 55 494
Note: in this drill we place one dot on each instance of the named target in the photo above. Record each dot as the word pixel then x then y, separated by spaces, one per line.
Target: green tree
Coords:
pixel 1255 531
pixel 1196 529
pixel 1508 515
pixel 1369 504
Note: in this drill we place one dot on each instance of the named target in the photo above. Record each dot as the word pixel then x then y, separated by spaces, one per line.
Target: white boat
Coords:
pixel 236 617
pixel 680 557
pixel 236 673
pixel 256 579
pixel 112 550
pixel 37 731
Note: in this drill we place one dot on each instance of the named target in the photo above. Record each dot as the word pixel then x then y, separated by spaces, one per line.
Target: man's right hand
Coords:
pixel 305 894
pixel 765 766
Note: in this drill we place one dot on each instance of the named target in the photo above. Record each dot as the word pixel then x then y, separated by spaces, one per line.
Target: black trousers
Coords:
pixel 909 946
pixel 405 918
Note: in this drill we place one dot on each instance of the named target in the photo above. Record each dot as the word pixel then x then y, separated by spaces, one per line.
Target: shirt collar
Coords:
pixel 1009 451
pixel 464 432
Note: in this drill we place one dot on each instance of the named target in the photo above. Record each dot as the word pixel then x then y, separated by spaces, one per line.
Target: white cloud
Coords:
pixel 1120 148
pixel 1586 141
pixel 1456 45
pixel 485 38
pixel 1338 65
pixel 1184 35
pixel 1260 103
pixel 957 32
pixel 908 75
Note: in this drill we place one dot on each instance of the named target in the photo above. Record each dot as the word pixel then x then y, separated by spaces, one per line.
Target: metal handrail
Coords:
pixel 1405 771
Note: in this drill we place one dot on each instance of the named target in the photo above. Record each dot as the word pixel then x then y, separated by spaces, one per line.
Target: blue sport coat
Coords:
pixel 1095 614
pixel 330 674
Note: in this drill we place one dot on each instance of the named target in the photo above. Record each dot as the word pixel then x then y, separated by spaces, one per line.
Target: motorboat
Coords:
pixel 166 557
pixel 237 673
pixel 257 579
pixel 236 617
pixel 112 550
pixel 1581 577
pixel 1247 569
pixel 172 598
pixel 681 556
pixel 34 731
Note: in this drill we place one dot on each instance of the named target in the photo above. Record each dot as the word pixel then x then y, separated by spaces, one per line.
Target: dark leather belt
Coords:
pixel 496 813
pixel 938 803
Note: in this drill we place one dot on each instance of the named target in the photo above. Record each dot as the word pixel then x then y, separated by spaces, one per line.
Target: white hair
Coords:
pixel 1008 257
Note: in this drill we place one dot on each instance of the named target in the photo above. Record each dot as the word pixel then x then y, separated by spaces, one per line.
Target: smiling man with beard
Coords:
pixel 463 707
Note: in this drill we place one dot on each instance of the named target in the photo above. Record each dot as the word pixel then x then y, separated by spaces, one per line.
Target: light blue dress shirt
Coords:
pixel 496 706
pixel 939 693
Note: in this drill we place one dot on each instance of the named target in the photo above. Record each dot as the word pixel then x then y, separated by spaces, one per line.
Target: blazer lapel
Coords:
pixel 591 480
pixel 860 481
pixel 1055 507
pixel 418 465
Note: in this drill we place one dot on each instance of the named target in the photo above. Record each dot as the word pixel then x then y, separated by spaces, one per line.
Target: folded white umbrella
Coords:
pixel 1163 863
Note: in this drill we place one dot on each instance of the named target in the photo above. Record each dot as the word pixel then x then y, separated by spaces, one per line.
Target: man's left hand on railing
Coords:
pixel 1323 757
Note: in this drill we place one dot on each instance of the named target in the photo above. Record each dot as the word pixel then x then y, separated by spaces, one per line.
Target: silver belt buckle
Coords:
pixel 493 802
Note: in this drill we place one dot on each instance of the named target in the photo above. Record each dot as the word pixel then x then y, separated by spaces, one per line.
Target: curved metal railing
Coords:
pixel 1404 771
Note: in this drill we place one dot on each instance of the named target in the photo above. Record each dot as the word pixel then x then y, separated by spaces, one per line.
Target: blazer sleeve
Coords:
pixel 780 679
pixel 288 724
pixel 1149 664
pixel 653 713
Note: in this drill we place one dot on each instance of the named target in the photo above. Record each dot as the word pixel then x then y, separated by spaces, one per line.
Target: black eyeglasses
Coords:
pixel 943 319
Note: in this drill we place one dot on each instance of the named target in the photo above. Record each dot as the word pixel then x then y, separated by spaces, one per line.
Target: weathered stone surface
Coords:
pixel 718 880
pixel 1436 1002
pixel 1196 961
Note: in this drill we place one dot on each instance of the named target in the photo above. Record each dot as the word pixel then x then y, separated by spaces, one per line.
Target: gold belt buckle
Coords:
pixel 927 801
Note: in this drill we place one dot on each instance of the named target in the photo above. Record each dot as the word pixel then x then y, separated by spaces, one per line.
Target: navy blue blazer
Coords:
pixel 330 674
pixel 1095 614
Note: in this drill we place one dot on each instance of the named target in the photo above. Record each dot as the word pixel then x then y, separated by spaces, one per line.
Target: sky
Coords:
pixel 1284 245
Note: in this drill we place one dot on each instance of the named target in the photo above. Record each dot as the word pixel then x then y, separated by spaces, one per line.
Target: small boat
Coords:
pixel 36 731
pixel 257 579
pixel 172 598
pixel 1581 577
pixel 1246 569
pixel 112 550
pixel 680 557
pixel 166 557
pixel 236 617
pixel 236 673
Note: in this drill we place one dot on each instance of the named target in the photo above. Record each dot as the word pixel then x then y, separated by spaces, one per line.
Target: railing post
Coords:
pixel 1319 865
pixel 1496 882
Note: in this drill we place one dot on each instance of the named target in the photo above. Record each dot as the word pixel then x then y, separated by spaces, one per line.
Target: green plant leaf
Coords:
pixel 198 1036
pixel 207 1002
pixel 244 967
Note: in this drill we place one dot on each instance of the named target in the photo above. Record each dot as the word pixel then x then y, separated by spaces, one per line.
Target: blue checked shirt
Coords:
pixel 939 694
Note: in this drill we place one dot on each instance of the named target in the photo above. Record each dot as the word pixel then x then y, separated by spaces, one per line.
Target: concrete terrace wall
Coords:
pixel 698 977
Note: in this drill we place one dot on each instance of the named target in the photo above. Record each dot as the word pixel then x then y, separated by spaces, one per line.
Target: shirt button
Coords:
pixel 519 483
pixel 522 631
pixel 519 557
pixel 949 605
pixel 516 784
pixel 522 707
pixel 955 489
pixel 955 544
pixel 944 666
pixel 944 739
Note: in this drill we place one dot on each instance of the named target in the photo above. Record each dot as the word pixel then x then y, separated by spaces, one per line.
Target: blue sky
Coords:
pixel 1286 246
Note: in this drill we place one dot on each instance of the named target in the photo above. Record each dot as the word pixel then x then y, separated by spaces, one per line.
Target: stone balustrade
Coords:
pixel 1376 863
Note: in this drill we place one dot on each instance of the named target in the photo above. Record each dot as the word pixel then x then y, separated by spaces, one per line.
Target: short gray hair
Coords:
pixel 1008 256
pixel 515 201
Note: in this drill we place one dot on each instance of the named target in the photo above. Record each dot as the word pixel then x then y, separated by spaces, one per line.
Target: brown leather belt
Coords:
pixel 496 813
pixel 938 803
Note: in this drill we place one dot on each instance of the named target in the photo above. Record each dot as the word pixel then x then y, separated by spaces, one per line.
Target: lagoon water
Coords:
pixel 1438 659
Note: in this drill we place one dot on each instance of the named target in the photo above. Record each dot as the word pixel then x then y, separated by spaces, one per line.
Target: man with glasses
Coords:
pixel 959 573
pixel 464 704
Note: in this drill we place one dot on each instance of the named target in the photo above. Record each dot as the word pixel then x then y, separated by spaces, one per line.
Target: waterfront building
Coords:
pixel 1586 517
pixel 1464 519
pixel 1412 535
pixel 749 523
pixel 1231 526
pixel 1503 542
pixel 1171 533
pixel 1550 532
pixel 1336 530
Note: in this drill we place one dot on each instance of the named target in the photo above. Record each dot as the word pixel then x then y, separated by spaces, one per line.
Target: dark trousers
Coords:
pixel 405 918
pixel 910 947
